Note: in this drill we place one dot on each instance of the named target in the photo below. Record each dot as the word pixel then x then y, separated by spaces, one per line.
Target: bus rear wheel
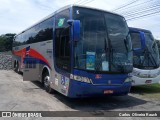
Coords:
pixel 46 82
pixel 17 67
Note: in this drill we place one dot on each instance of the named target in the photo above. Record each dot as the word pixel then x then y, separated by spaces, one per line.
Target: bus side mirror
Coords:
pixel 143 42
pixel 76 29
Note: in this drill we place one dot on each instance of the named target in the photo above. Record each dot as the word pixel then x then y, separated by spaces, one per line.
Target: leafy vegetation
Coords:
pixel 6 42
pixel 153 88
pixel 147 91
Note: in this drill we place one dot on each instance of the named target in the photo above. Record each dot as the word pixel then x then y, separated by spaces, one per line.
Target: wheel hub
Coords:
pixel 46 81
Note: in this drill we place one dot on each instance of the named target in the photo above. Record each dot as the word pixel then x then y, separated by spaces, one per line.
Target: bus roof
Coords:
pixel 139 29
pixel 63 8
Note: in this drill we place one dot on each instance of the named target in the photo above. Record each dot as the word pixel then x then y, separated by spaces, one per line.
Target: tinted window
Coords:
pixel 93 40
pixel 136 40
pixel 104 45
pixel 147 58
pixel 17 41
pixel 62 41
pixel 40 32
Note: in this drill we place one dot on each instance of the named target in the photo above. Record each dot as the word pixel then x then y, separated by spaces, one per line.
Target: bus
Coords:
pixel 145 62
pixel 77 51
pixel 158 44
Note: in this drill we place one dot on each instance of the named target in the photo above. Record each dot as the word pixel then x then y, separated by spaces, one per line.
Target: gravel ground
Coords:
pixel 5 61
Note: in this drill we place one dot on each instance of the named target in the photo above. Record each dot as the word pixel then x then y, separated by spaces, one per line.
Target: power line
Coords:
pixel 143 11
pixel 87 2
pixel 136 4
pixel 140 3
pixel 79 1
pixel 127 4
pixel 142 16
pixel 149 13
pixel 133 9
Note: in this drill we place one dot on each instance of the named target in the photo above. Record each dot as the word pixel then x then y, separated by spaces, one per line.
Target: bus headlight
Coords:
pixel 153 75
pixel 82 79
pixel 143 75
pixel 85 79
pixel 129 79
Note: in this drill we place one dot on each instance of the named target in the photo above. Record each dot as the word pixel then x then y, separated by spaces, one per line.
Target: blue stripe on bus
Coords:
pixel 36 60
pixel 114 78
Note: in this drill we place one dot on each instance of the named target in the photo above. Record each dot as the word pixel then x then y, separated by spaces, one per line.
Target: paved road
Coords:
pixel 19 95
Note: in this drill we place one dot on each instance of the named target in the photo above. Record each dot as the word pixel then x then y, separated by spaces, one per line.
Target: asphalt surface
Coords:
pixel 19 95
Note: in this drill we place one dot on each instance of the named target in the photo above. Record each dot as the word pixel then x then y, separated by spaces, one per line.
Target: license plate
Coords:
pixel 148 81
pixel 108 92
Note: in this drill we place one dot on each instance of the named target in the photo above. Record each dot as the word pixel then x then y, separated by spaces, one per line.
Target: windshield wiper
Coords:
pixel 121 66
pixel 125 43
pixel 98 61
pixel 154 47
pixel 105 45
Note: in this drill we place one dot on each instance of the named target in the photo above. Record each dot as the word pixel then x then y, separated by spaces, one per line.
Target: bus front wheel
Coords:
pixel 46 82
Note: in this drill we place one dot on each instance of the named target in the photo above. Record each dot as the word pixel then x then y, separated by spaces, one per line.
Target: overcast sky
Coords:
pixel 17 15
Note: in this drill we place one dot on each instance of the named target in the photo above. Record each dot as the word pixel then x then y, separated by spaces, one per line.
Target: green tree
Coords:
pixel 6 42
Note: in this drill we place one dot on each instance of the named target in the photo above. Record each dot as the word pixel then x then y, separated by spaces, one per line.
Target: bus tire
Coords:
pixel 14 66
pixel 17 67
pixel 46 82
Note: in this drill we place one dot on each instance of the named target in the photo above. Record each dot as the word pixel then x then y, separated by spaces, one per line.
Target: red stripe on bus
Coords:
pixel 32 53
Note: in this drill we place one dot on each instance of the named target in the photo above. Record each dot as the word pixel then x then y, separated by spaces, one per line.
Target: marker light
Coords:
pixel 128 79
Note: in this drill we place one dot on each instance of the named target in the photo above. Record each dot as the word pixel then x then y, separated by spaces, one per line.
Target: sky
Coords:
pixel 17 15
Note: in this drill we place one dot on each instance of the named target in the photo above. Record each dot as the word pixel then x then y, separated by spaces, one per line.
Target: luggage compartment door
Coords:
pixel 31 69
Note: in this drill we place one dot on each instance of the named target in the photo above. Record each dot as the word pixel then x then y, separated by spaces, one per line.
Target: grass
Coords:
pixel 153 88
pixel 149 91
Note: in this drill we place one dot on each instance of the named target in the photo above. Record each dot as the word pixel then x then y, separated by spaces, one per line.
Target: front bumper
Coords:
pixel 143 81
pixel 140 76
pixel 79 89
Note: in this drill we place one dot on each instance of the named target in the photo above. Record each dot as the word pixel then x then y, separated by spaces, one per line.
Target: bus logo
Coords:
pixel 109 81
pixel 27 50
pixel 98 76
pixel 61 22
pixel 77 12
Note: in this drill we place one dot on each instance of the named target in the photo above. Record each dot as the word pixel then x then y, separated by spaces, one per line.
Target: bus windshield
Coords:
pixel 105 43
pixel 149 57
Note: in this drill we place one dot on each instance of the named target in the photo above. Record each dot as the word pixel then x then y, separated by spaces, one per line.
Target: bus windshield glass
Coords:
pixel 105 43
pixel 149 57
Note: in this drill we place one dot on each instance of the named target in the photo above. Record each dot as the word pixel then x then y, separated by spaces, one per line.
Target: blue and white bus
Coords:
pixel 77 51
pixel 145 61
